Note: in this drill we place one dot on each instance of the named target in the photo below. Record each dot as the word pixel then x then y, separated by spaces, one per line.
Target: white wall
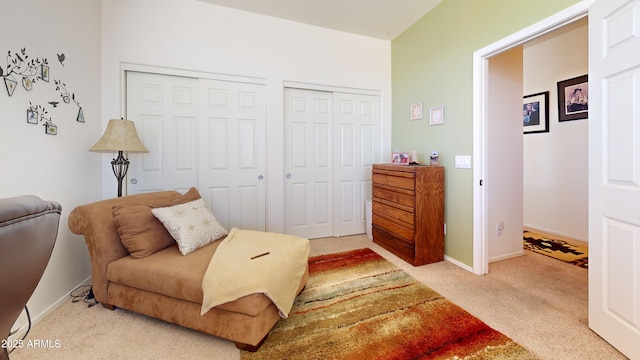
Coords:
pixel 555 163
pixel 504 154
pixel 53 167
pixel 197 36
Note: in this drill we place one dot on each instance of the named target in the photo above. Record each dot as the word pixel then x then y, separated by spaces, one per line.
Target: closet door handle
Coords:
pixel 260 177
pixel 288 176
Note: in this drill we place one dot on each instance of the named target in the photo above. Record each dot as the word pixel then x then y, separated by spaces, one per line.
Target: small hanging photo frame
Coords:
pixel 10 85
pixel 51 129
pixel 416 111
pixel 436 115
pixel 44 72
pixel 80 116
pixel 32 117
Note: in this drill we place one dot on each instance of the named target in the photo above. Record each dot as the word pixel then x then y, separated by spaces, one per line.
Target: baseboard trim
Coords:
pixel 458 263
pixel 507 256
pixel 38 317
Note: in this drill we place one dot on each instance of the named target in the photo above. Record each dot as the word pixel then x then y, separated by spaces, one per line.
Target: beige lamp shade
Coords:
pixel 120 135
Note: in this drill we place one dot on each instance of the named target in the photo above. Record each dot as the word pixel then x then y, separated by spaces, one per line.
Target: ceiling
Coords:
pixel 382 19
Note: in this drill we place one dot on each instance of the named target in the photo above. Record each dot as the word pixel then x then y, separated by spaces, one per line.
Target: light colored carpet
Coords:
pixel 539 302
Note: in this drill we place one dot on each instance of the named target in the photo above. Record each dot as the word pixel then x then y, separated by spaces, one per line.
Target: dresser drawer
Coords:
pixel 407 199
pixel 393 213
pixel 394 227
pixel 402 249
pixel 401 182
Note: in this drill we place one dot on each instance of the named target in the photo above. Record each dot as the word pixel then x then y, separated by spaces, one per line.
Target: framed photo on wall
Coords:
pixel 32 117
pixel 573 98
pixel 51 129
pixel 535 113
pixel 416 111
pixel 436 115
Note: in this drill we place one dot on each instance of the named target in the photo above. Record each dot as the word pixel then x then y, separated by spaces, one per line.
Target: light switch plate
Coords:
pixel 463 161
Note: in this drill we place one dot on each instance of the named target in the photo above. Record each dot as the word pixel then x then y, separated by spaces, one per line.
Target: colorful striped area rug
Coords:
pixel 571 252
pixel 357 305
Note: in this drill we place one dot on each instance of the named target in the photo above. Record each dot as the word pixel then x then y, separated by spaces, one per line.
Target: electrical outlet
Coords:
pixel 500 228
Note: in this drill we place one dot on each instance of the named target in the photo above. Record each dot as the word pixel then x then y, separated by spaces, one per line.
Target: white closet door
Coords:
pixel 331 142
pixel 356 145
pixel 232 152
pixel 209 134
pixel 165 111
pixel 308 184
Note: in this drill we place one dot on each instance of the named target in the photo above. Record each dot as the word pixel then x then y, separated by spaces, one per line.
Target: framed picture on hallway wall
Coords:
pixel 573 98
pixel 535 113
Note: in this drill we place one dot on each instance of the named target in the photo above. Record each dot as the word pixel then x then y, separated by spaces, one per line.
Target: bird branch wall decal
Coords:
pixel 20 67
pixel 29 71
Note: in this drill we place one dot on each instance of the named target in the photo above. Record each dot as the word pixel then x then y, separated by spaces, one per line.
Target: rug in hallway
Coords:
pixel 574 253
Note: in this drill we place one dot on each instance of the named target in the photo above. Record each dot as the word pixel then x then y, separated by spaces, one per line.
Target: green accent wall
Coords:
pixel 432 63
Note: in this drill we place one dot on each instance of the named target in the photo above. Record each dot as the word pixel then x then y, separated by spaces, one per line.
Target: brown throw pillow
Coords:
pixel 141 232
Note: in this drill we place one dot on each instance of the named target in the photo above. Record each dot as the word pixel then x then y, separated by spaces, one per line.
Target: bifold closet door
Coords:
pixel 165 111
pixel 204 133
pixel 308 152
pixel 331 142
pixel 232 155
pixel 356 145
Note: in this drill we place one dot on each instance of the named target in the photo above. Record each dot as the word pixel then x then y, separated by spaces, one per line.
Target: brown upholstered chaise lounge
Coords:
pixel 165 284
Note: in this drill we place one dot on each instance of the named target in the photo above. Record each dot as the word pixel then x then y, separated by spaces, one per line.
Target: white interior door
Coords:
pixel 165 111
pixel 232 156
pixel 356 148
pixel 614 180
pixel 308 151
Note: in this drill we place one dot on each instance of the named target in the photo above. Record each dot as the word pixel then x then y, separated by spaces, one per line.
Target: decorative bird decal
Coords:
pixel 54 103
pixel 61 58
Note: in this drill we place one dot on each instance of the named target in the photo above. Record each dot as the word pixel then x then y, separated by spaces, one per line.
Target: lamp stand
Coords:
pixel 120 165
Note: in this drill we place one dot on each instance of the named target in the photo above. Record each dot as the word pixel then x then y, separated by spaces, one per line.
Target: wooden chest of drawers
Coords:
pixel 408 211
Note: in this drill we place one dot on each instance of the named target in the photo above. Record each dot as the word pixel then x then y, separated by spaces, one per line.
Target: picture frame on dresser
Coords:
pixel 400 158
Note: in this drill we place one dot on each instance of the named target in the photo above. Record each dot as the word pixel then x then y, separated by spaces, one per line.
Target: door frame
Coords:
pixel 481 117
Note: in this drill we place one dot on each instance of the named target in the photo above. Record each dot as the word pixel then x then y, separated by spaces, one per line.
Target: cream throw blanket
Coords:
pixel 232 273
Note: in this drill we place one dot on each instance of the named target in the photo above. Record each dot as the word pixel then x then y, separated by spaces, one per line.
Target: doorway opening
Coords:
pixel 490 166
